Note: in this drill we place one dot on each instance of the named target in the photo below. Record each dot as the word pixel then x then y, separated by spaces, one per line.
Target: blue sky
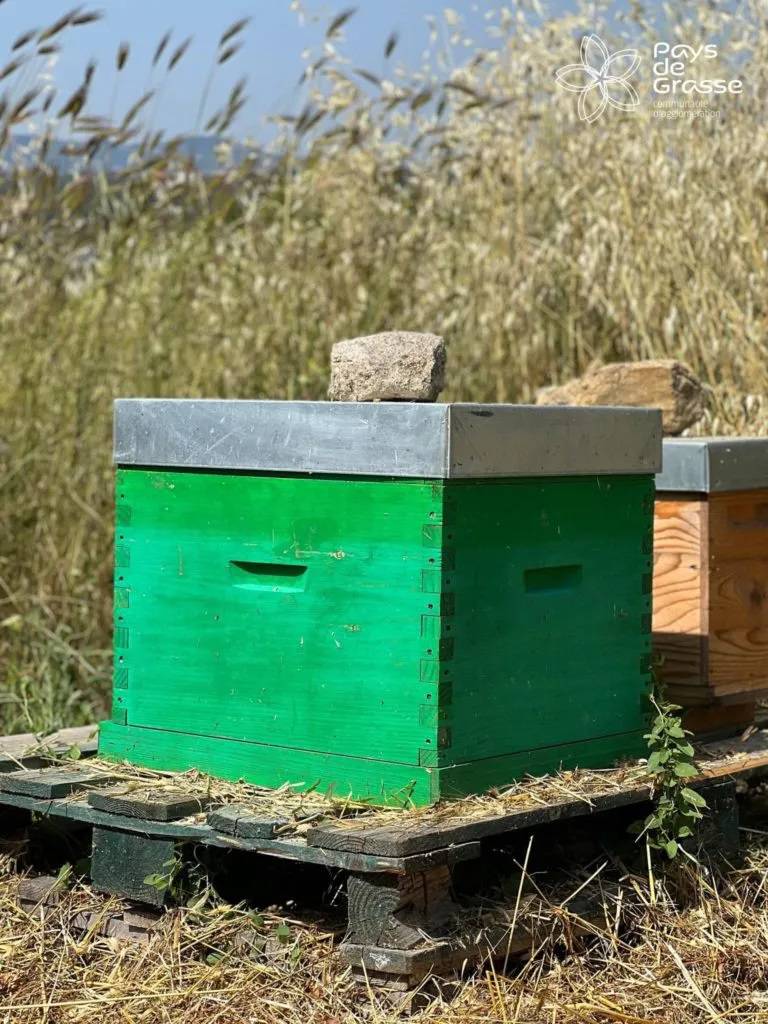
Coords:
pixel 271 55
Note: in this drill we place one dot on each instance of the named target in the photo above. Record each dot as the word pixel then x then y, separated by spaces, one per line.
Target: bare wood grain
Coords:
pixel 680 606
pixel 738 593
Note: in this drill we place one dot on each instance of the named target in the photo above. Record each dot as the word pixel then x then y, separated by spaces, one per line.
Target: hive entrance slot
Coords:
pixel 279 576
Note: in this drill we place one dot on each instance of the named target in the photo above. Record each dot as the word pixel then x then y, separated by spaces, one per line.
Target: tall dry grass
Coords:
pixel 463 198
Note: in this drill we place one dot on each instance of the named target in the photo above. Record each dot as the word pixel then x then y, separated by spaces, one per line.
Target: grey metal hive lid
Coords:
pixel 708 464
pixel 394 439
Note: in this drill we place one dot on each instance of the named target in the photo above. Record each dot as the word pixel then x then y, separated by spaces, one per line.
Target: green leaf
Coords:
pixel 686 749
pixel 691 813
pixel 64 875
pixel 685 770
pixel 283 934
pixel 671 848
pixel 693 797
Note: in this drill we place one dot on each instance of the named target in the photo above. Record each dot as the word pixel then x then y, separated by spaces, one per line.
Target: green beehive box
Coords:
pixel 390 601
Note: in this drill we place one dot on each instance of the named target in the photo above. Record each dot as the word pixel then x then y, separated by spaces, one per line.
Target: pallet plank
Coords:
pixel 423 835
pixel 291 848
pixel 719 760
pixel 53 783
pixel 163 805
pixel 236 820
pixel 30 750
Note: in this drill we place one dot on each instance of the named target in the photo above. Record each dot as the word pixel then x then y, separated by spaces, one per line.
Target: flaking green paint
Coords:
pixel 393 639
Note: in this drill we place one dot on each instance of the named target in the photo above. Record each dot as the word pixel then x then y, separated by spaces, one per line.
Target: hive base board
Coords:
pixel 379 782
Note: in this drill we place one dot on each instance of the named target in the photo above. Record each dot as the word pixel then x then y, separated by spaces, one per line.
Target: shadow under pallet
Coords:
pixel 403 921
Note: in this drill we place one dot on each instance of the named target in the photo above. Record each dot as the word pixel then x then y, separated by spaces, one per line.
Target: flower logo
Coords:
pixel 601 79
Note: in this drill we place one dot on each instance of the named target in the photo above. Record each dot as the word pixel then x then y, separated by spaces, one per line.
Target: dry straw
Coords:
pixel 689 951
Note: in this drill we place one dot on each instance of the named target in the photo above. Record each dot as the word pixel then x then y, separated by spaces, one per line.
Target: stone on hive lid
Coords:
pixel 389 367
pixel 655 383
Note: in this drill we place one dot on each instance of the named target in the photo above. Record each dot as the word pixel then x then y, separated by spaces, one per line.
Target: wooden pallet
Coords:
pixel 399 867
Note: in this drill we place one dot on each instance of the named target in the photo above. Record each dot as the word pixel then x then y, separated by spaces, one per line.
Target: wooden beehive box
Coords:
pixel 710 587
pixel 396 601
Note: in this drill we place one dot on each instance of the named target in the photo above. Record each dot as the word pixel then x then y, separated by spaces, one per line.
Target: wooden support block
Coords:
pixel 159 805
pixel 53 783
pixel 400 970
pixel 468 944
pixel 718 832
pixel 399 911
pixel 122 861
pixel 236 820
pixel 41 895
pixel 38 890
